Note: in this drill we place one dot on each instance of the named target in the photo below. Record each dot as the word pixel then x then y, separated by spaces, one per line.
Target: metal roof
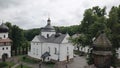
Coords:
pixel 52 39
pixel 48 27
pixel 3 28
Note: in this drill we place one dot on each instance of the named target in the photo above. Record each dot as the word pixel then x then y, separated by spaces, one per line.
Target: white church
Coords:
pixel 5 42
pixel 51 46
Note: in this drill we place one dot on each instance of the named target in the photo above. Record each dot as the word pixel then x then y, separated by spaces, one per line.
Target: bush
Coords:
pixel 29 59
pixel 49 62
pixel 3 64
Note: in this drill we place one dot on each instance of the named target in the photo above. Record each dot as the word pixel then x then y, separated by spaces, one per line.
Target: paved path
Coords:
pixel 79 62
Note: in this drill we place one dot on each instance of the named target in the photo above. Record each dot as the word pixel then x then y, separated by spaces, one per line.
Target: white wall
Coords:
pixel 3 34
pixel 35 50
pixel 66 39
pixel 45 34
pixel 84 49
pixel 64 54
pixel 5 51
pixel 44 47
pixel 118 51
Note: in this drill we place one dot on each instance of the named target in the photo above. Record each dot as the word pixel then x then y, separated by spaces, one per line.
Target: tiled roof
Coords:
pixel 5 40
pixel 102 41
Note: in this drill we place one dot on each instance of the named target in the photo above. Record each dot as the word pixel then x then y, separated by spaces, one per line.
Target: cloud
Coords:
pixel 34 13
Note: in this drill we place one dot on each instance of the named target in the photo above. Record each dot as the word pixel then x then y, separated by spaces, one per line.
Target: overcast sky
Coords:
pixel 29 14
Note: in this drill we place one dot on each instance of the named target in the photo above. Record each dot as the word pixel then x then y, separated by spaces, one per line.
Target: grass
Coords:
pixel 49 64
pixel 6 64
pixel 28 59
pixel 24 66
pixel 118 63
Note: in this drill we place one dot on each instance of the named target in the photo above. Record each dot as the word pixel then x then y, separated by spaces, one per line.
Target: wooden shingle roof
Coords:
pixel 5 40
pixel 102 41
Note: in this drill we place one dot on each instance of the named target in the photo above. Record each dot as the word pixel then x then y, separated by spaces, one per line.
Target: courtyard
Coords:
pixel 79 62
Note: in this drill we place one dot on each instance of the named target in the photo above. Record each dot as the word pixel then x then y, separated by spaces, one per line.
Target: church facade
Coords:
pixel 5 42
pixel 50 45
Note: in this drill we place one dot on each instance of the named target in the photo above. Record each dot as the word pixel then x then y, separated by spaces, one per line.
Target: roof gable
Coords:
pixel 66 39
pixel 102 41
pixel 35 39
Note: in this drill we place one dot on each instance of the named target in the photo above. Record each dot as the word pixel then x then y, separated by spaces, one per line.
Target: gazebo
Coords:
pixel 102 52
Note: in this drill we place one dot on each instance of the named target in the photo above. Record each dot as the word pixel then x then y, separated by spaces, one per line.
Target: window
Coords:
pixel 6 48
pixel 67 50
pixel 33 51
pixel 4 36
pixel 47 35
pixel 49 49
pixel 37 52
pixel 2 48
pixel 55 50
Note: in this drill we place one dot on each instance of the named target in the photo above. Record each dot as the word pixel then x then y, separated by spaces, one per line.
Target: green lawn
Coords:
pixel 29 60
pixel 24 66
pixel 118 63
pixel 6 64
pixel 50 65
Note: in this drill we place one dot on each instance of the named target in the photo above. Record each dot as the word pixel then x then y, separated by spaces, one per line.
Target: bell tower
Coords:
pixel 102 52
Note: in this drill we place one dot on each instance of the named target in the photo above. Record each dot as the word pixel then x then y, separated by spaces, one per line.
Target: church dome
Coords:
pixel 48 27
pixel 3 28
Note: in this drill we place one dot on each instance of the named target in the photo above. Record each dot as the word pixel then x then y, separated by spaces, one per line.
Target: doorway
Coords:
pixel 4 57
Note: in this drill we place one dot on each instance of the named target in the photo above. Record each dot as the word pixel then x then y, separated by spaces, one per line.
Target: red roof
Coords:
pixel 5 40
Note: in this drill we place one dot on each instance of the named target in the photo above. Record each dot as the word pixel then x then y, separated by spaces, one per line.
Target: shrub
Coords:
pixel 29 59
pixel 3 64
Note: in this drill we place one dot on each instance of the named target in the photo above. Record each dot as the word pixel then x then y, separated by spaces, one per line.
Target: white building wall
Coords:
pixel 3 35
pixel 45 34
pixel 44 47
pixel 52 50
pixel 84 49
pixel 64 53
pixel 118 52
pixel 7 50
pixel 35 50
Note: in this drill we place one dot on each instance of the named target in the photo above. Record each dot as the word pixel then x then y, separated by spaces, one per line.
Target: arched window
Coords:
pixel 55 50
pixel 2 48
pixel 6 48
pixel 36 51
pixel 49 49
pixel 4 36
pixel 67 50
pixel 47 35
